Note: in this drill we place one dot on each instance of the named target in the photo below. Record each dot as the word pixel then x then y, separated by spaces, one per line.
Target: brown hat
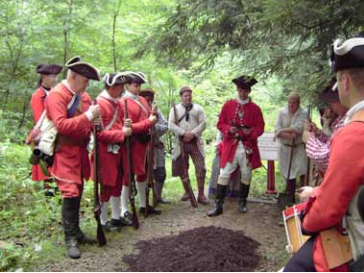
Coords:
pixel 244 82
pixel 48 69
pixel 147 92
pixel 184 89
pixel 111 79
pixel 330 94
pixel 83 68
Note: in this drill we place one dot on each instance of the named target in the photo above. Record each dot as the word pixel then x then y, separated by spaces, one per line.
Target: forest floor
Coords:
pixel 262 224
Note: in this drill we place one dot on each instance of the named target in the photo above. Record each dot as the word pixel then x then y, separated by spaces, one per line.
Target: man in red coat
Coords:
pixel 159 158
pixel 241 123
pixel 69 107
pixel 111 138
pixel 335 206
pixel 48 79
pixel 143 118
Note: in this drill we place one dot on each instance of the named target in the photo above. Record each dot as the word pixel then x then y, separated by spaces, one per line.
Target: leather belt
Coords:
pixel 240 138
pixel 65 140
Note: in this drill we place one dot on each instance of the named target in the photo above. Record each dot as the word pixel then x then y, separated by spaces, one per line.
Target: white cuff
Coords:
pixel 89 115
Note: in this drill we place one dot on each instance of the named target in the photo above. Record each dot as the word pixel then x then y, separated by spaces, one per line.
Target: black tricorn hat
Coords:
pixel 83 68
pixel 348 55
pixel 330 94
pixel 147 92
pixel 244 82
pixel 111 79
pixel 137 77
pixel 48 69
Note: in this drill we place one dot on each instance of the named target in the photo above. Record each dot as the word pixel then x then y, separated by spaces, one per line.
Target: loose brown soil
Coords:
pixel 254 241
pixel 201 249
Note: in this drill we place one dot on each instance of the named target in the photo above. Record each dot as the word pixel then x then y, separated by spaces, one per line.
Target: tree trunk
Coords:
pixel 25 107
pixel 114 54
pixel 66 34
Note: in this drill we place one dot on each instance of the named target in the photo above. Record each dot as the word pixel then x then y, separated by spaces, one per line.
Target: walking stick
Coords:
pixel 283 198
pixel 290 160
pixel 185 181
pixel 308 170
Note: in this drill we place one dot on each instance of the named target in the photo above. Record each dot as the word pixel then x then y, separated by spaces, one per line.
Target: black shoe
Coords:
pixel 242 207
pixel 114 225
pixel 128 216
pixel 142 210
pixel 215 211
pixel 125 222
pixel 155 211
pixel 151 210
pixel 72 249
pixel 86 240
pixel 48 193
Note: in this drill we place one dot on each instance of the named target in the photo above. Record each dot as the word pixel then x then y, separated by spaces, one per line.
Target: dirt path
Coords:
pixel 262 223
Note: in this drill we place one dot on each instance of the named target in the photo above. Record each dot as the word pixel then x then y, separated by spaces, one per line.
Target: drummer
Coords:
pixel 332 213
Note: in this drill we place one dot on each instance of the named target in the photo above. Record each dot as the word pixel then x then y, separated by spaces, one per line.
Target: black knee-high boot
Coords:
pixel 291 189
pixel 70 226
pixel 243 195
pixel 80 236
pixel 219 201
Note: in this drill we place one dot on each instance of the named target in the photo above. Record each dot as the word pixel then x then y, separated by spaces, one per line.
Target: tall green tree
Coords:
pixel 290 39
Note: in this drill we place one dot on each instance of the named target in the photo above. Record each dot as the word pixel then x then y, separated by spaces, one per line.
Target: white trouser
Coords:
pixel 141 188
pixel 124 204
pixel 115 207
pixel 103 214
pixel 239 160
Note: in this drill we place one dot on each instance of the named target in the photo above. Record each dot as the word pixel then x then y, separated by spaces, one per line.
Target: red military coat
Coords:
pixel 37 105
pixel 140 125
pixel 111 163
pixel 253 117
pixel 331 200
pixel 71 162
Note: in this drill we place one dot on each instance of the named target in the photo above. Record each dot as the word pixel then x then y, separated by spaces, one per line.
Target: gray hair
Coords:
pixel 295 96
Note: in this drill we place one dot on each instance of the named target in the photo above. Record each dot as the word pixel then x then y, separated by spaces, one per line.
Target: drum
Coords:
pixel 292 225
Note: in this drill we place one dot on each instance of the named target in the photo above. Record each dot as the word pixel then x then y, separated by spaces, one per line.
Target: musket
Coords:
pixel 185 181
pixel 150 174
pixel 131 179
pixel 308 170
pixel 101 239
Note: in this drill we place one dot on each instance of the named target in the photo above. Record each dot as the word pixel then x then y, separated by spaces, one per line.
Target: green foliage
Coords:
pixel 10 131
pixel 287 38
pixel 30 223
pixel 203 44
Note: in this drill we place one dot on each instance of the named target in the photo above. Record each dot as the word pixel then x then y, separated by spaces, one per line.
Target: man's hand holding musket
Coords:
pixel 154 116
pixel 100 235
pixel 127 131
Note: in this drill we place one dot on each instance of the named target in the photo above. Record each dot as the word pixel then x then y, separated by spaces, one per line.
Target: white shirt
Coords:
pixel 196 125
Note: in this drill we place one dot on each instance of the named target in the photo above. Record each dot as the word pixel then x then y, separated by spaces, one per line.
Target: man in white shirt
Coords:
pixel 187 126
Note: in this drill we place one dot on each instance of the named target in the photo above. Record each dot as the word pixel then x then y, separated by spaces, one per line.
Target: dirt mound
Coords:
pixel 199 249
